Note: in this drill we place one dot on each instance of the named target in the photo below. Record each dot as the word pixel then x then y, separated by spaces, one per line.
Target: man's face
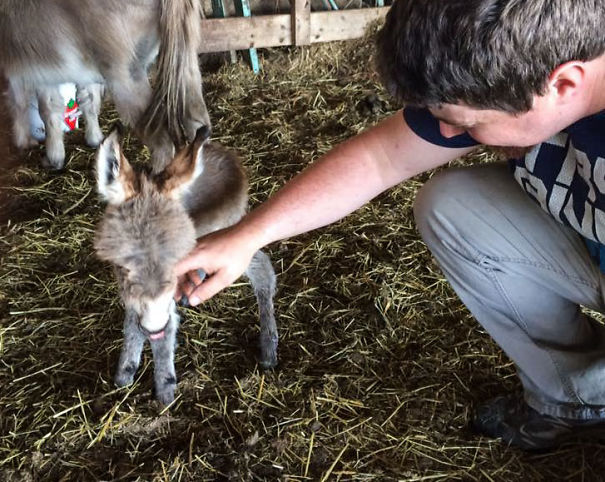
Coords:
pixel 499 128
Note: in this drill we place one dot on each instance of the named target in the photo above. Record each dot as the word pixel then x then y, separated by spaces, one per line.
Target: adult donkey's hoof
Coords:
pixel 53 163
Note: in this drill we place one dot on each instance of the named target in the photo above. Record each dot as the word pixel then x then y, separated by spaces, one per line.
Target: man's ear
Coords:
pixel 188 164
pixel 115 176
pixel 567 81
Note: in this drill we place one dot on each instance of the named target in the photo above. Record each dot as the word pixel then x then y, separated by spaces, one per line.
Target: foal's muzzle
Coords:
pixel 153 335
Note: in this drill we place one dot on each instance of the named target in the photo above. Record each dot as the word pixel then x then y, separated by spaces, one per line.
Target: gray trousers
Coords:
pixel 523 276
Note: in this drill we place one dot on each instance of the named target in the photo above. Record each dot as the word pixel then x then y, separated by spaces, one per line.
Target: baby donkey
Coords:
pixel 151 222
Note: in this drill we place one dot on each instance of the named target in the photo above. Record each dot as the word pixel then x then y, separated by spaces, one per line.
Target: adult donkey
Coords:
pixel 93 43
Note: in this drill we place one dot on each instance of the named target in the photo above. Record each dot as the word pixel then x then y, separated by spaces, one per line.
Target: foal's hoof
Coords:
pixel 166 395
pixel 125 375
pixel 268 364
pixel 123 379
pixel 164 388
pixel 268 352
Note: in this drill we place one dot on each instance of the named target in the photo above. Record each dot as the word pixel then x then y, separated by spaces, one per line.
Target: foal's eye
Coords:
pixel 166 285
pixel 135 285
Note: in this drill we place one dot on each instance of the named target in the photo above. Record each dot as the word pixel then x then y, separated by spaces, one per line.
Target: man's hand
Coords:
pixel 224 256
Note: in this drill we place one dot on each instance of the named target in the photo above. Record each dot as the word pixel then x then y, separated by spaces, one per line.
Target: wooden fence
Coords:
pixel 299 27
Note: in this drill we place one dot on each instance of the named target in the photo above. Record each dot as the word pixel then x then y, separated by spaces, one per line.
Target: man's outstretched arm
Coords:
pixel 337 184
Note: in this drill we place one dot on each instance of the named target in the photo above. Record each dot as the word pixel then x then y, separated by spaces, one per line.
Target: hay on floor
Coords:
pixel 380 364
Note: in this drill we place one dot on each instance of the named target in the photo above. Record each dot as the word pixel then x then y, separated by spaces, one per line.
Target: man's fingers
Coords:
pixel 186 283
pixel 190 263
pixel 196 277
pixel 207 290
pixel 180 287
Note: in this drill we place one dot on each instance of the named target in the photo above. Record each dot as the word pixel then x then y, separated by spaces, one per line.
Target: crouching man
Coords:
pixel 522 242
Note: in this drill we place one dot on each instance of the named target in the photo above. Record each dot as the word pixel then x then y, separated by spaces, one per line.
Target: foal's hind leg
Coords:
pixel 89 100
pixel 262 276
pixel 164 374
pixel 50 103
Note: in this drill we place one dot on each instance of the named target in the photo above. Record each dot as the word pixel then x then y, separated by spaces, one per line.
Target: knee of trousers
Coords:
pixel 439 206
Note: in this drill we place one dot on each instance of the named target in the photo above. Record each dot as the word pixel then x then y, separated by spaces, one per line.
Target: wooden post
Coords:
pixel 242 7
pixel 218 10
pixel 301 22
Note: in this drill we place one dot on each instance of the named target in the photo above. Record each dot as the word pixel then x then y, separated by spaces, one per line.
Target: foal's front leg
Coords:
pixel 164 374
pixel 130 357
pixel 262 276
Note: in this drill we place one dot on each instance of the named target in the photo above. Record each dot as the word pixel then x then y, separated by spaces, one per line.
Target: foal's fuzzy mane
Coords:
pixel 145 230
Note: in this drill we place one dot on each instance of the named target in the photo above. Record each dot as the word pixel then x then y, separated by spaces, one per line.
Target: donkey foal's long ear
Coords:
pixel 186 166
pixel 115 176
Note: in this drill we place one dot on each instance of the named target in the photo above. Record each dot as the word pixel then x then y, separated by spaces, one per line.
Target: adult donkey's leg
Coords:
pixel 177 109
pixel 89 100
pixel 131 94
pixel 262 276
pixel 130 357
pixel 164 374
pixel 50 104
pixel 161 148
pixel 18 101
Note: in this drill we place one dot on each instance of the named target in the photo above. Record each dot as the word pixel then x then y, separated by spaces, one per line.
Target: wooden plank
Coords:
pixel 343 24
pixel 276 30
pixel 301 20
pixel 242 33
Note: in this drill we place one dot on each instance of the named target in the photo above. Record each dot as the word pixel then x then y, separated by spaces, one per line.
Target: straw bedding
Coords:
pixel 380 364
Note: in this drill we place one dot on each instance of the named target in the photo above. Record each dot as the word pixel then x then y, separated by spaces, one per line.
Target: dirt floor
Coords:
pixel 380 364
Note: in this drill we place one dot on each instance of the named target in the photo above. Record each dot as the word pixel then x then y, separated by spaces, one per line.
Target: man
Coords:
pixel 522 244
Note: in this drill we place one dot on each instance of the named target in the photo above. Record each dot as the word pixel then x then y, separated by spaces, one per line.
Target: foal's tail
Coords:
pixel 177 103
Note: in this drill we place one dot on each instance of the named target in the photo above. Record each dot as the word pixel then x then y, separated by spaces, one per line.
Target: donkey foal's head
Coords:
pixel 145 230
